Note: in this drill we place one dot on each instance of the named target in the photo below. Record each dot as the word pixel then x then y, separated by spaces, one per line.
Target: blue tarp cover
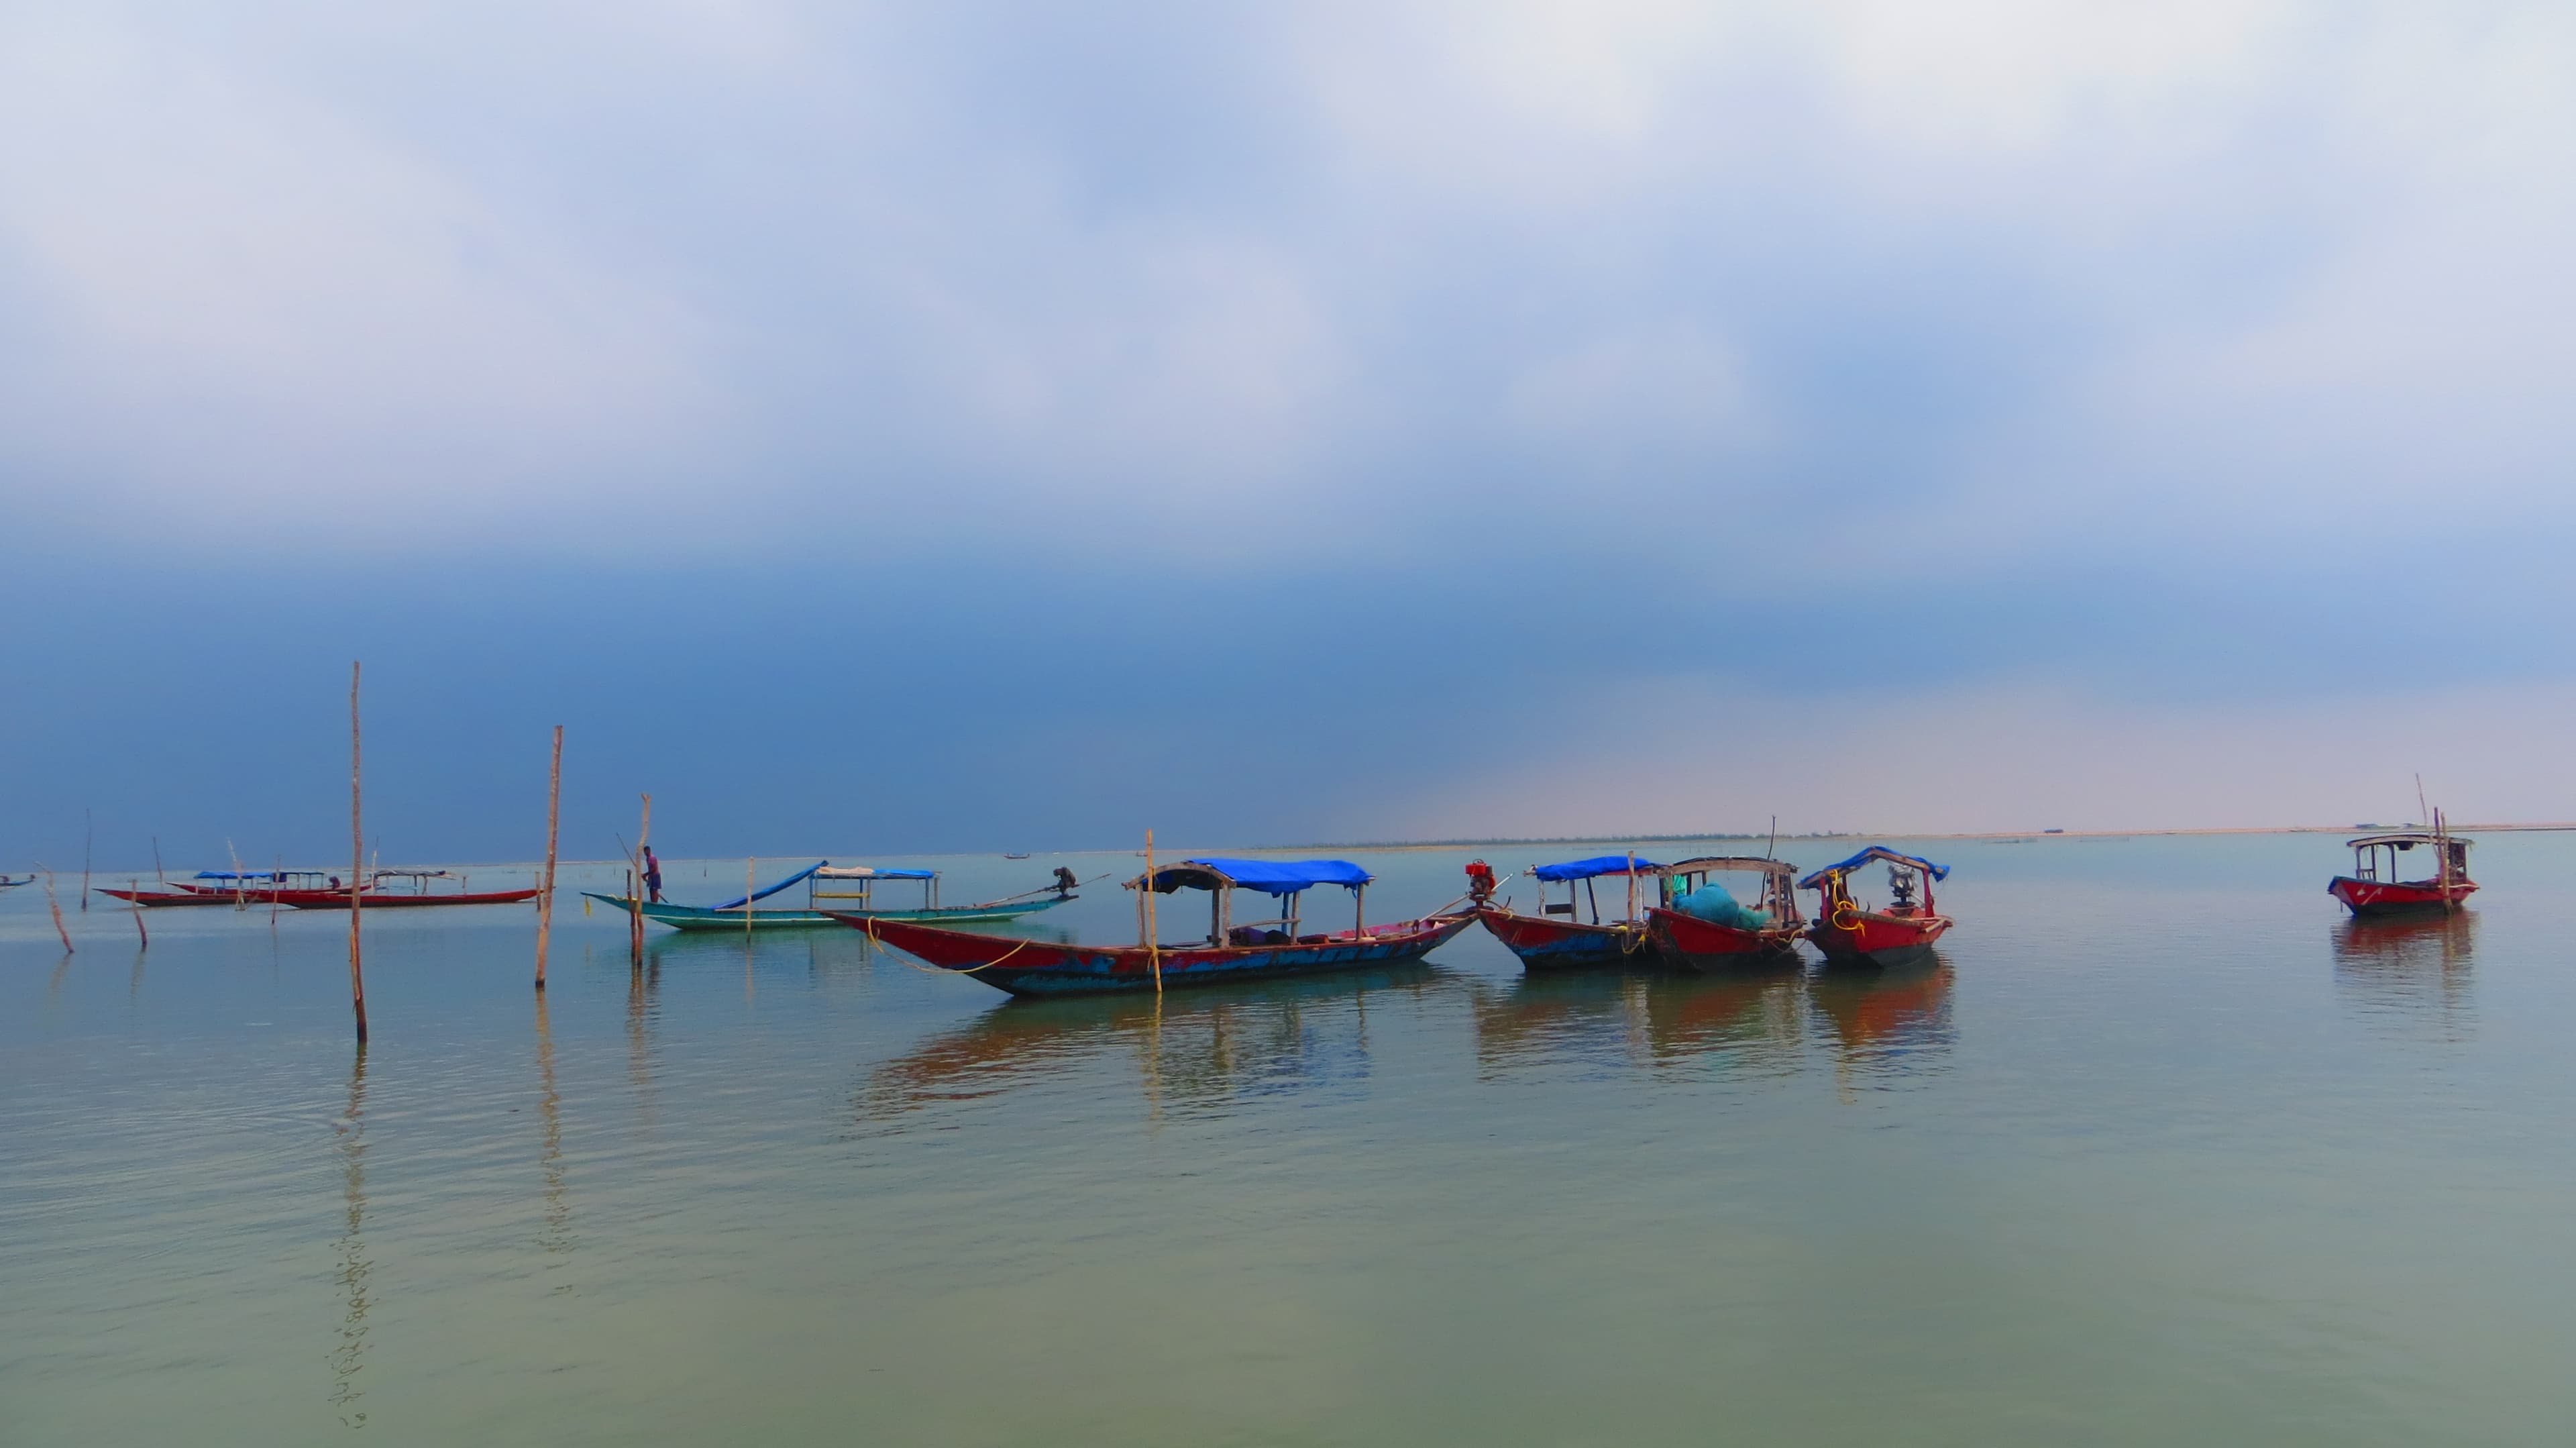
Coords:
pixel 774 889
pixel 1270 877
pixel 1586 869
pixel 1874 852
pixel 245 875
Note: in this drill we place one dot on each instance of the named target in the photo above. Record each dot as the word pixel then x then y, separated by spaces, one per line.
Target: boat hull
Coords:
pixel 1045 968
pixel 339 899
pixel 1867 937
pixel 1544 944
pixel 699 917
pixel 2398 897
pixel 157 899
pixel 1696 944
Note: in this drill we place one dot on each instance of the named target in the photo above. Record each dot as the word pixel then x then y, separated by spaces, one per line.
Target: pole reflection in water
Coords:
pixel 1546 1018
pixel 2417 970
pixel 555 1236
pixel 1195 1052
pixel 350 1356
pixel 643 986
pixel 1885 1022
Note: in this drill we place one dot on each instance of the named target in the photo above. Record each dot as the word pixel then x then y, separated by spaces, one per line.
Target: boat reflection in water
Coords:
pixel 1549 1020
pixel 1885 1023
pixel 2409 969
pixel 1192 1051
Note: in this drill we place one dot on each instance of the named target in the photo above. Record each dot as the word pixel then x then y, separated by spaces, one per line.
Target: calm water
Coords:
pixel 2162 1151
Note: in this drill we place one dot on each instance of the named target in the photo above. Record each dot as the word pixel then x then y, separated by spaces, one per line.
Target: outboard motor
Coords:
pixel 1900 888
pixel 1480 883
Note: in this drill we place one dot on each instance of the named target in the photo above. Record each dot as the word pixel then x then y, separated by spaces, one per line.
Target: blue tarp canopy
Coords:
pixel 774 889
pixel 1597 865
pixel 244 875
pixel 1875 852
pixel 1270 877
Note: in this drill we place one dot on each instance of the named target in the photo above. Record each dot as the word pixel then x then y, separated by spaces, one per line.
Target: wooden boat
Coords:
pixel 8 884
pixel 1765 932
pixel 377 897
pixel 1546 942
pixel 159 898
pixel 1231 951
pixel 738 915
pixel 2373 887
pixel 1849 931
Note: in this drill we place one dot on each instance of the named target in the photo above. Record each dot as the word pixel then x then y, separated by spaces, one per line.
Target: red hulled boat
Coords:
pixel 377 897
pixel 1546 942
pixel 1700 926
pixel 1231 951
pixel 2373 887
pixel 1900 932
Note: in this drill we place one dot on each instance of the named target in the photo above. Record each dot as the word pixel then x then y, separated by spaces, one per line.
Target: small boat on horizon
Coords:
pixel 1900 932
pixel 2373 887
pixel 1231 951
pixel 746 913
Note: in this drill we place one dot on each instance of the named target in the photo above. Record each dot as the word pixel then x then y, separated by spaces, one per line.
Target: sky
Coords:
pixel 874 429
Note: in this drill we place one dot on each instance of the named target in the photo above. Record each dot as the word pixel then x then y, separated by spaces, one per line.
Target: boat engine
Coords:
pixel 1480 882
pixel 1900 890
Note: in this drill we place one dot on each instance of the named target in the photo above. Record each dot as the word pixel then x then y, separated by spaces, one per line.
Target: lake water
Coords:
pixel 2161 1151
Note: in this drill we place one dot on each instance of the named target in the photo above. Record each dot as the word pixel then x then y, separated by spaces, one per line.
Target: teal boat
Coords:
pixel 858 888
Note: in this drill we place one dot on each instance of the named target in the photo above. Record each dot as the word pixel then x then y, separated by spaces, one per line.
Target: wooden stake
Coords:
pixel 750 867
pixel 164 880
pixel 546 890
pixel 135 887
pixel 56 906
pixel 276 882
pixel 89 837
pixel 635 896
pixel 357 865
pixel 1153 929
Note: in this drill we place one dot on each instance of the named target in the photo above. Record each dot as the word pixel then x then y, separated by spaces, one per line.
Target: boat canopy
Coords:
pixel 1875 852
pixel 814 868
pixel 1270 877
pixel 1757 864
pixel 2401 840
pixel 248 874
pixel 827 871
pixel 1597 865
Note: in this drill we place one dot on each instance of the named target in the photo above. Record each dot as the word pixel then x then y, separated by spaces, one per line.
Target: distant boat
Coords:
pixel 745 913
pixel 2373 887
pixel 2052 832
pixel 8 884
pixel 1231 952
pixel 377 897
pixel 1901 932
pixel 1022 855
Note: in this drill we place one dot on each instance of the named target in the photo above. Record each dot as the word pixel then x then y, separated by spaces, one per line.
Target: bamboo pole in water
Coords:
pixel 162 879
pixel 1153 927
pixel 56 906
pixel 546 889
pixel 135 888
pixel 749 867
pixel 357 864
pixel 635 896
pixel 89 837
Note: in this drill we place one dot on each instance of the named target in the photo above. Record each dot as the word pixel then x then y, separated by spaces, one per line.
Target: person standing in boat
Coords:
pixel 652 877
pixel 1064 883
